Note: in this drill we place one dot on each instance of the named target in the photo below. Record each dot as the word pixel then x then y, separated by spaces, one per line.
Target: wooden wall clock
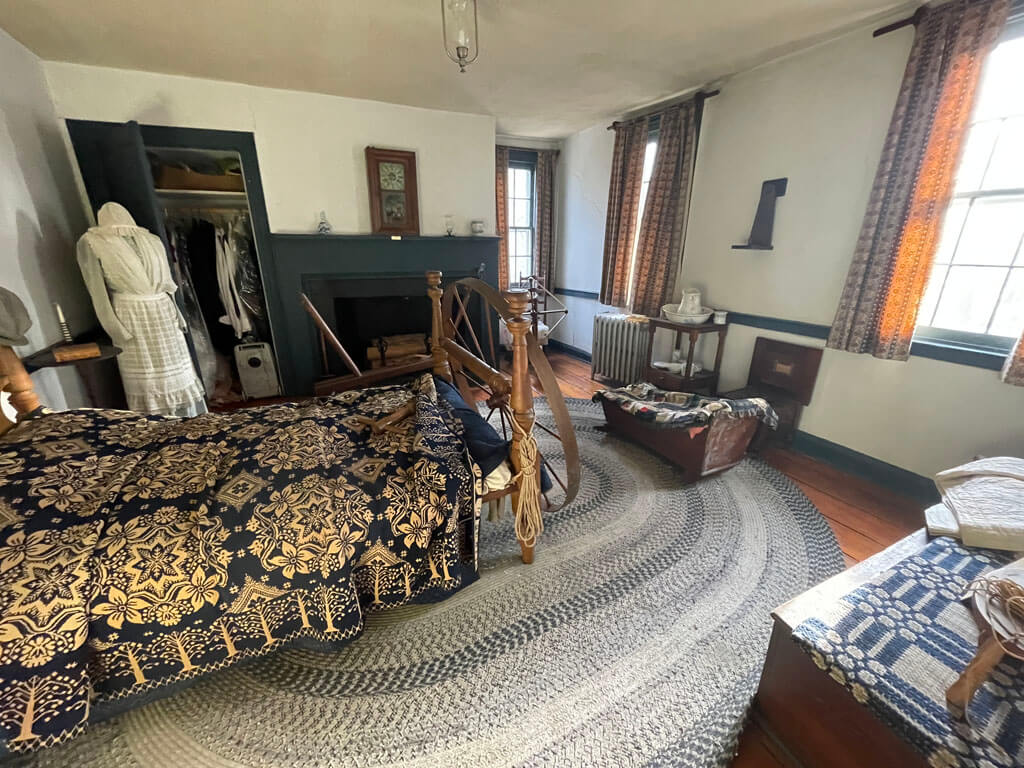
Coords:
pixel 394 205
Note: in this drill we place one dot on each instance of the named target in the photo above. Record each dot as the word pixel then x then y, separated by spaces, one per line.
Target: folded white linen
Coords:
pixel 987 498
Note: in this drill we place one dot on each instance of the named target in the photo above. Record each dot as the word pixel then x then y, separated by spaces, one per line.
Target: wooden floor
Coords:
pixel 865 518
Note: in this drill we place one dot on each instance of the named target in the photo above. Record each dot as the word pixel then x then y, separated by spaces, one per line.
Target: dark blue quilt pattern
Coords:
pixel 899 641
pixel 140 552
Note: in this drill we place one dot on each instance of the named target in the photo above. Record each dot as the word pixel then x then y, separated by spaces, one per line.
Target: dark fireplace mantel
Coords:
pixel 326 266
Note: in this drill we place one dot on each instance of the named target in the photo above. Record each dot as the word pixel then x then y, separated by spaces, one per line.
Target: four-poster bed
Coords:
pixel 139 552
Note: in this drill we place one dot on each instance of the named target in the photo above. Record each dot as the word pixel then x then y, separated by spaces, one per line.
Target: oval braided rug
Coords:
pixel 636 637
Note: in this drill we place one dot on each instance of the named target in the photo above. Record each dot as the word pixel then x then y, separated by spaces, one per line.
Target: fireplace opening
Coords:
pixel 361 319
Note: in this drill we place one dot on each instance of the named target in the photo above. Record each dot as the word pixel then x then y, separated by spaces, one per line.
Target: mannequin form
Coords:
pixel 126 271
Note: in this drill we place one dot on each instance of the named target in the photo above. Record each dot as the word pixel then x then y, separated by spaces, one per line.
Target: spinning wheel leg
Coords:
pixel 527 550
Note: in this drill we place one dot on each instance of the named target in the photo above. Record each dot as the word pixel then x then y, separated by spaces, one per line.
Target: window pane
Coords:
pixel 951 227
pixel 1009 318
pixel 992 232
pixel 518 244
pixel 1006 171
pixel 511 243
pixel 980 139
pixel 521 186
pixel 931 295
pixel 649 154
pixel 521 213
pixel 1001 93
pixel 523 244
pixel 968 299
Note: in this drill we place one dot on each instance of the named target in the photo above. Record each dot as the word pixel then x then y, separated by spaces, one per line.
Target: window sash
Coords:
pixel 996 124
pixel 978 342
pixel 516 259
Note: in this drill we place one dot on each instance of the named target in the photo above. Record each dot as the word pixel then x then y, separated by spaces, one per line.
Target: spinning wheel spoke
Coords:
pixel 549 431
pixel 554 474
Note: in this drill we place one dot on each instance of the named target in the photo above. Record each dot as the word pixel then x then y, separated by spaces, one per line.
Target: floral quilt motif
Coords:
pixel 141 551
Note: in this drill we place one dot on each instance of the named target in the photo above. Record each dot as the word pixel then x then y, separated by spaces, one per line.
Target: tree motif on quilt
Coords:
pixel 140 551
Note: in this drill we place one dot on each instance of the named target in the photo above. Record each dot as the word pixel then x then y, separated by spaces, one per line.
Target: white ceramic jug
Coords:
pixel 690 305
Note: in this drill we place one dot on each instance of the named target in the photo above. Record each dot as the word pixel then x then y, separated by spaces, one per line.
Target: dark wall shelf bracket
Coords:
pixel 764 219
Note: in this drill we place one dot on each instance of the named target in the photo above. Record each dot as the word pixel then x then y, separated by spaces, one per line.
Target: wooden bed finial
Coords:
pixel 434 291
pixel 522 407
pixel 15 380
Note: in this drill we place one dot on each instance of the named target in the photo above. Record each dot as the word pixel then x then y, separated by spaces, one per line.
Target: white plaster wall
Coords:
pixel 584 171
pixel 310 145
pixel 819 118
pixel 40 217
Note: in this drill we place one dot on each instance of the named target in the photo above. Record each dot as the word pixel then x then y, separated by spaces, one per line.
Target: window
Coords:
pixel 521 220
pixel 649 155
pixel 975 294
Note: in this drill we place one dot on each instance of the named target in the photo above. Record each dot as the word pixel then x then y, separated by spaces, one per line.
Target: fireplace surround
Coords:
pixel 338 270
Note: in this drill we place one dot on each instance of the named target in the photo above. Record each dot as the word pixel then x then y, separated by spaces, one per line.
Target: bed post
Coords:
pixel 15 380
pixel 522 395
pixel 441 367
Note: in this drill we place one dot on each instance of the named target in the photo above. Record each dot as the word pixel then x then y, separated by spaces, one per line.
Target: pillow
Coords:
pixel 485 445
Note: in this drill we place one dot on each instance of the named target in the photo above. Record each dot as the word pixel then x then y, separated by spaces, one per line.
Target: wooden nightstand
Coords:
pixel 687 381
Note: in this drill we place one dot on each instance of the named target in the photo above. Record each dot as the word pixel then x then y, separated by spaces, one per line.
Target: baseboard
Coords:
pixel 561 346
pixel 890 476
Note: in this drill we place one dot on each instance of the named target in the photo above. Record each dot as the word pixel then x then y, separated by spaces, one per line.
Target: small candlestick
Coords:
pixel 64 330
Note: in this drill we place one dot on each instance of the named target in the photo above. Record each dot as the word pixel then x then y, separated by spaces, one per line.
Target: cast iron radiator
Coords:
pixel 620 347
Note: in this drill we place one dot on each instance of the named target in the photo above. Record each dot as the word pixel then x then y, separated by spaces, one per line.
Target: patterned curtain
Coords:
pixel 914 181
pixel 659 248
pixel 623 203
pixel 1013 371
pixel 501 213
pixel 544 194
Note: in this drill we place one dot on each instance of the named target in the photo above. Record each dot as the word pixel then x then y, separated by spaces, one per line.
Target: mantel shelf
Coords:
pixel 200 193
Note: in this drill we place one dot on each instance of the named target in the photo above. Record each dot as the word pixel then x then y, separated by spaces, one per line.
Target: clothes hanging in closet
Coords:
pixel 227 265
pixel 202 258
pixel 182 273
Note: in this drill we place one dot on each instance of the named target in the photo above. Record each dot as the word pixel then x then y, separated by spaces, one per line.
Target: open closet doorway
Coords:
pixel 200 191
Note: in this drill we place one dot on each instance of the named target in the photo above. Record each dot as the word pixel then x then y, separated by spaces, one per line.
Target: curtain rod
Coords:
pixel 698 96
pixel 913 19
pixel 1016 12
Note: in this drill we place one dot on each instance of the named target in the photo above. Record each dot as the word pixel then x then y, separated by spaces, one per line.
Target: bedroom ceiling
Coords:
pixel 547 68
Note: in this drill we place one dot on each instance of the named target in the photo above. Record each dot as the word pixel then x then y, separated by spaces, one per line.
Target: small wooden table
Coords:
pixel 687 381
pixel 87 370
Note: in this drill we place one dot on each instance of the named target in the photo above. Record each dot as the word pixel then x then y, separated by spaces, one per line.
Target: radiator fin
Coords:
pixel 620 348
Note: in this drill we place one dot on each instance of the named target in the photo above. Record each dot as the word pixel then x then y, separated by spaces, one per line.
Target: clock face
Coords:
pixel 392 176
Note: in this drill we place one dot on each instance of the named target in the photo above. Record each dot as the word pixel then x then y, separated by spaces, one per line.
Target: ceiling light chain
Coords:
pixel 459 24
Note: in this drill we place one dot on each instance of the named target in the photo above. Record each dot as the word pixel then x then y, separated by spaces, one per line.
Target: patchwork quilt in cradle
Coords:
pixel 683 409
pixel 140 552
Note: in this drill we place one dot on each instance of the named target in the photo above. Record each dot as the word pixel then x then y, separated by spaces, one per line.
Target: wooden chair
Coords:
pixel 783 374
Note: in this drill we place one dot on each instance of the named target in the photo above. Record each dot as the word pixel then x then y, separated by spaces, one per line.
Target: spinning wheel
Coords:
pixel 475 317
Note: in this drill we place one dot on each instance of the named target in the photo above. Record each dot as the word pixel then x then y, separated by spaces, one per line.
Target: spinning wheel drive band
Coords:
pixel 457 304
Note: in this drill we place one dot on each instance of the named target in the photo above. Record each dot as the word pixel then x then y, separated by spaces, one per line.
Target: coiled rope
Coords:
pixel 529 520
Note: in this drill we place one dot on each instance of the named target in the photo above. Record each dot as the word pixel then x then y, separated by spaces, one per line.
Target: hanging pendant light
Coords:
pixel 458 19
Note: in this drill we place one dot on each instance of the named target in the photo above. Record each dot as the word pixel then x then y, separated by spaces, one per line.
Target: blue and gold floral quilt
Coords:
pixel 140 552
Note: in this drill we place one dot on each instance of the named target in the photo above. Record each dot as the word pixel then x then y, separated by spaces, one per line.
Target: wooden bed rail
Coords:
pixel 14 379
pixel 498 382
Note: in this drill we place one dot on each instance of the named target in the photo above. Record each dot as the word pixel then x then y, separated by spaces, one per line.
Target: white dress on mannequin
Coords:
pixel 126 271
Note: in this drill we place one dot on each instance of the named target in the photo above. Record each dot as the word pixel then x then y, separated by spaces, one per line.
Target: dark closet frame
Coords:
pixel 84 135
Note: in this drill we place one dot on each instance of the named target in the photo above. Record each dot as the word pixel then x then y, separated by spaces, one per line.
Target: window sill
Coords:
pixel 951 352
